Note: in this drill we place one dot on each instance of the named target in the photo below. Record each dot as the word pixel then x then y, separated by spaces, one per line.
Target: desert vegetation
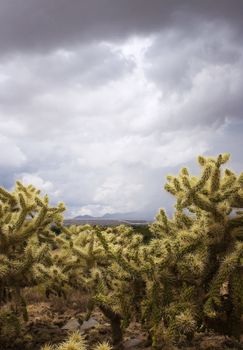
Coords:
pixel 181 280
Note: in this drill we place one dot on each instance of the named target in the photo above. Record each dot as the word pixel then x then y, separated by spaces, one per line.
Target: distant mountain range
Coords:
pixel 116 216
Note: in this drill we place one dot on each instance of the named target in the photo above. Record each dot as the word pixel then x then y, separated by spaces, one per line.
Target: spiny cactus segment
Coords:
pixel 187 277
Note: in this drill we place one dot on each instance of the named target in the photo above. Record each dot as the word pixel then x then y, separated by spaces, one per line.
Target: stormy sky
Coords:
pixel 100 99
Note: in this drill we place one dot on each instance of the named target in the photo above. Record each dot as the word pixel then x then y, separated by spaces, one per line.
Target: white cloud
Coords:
pixel 99 125
pixel 38 182
pixel 93 210
pixel 11 155
pixel 121 192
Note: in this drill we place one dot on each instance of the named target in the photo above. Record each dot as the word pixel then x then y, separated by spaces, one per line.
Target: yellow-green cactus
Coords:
pixel 76 342
pixel 105 264
pixel 25 233
pixel 204 243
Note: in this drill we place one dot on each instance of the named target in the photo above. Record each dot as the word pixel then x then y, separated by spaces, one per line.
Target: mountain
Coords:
pixel 121 216
pixel 84 217
pixel 117 216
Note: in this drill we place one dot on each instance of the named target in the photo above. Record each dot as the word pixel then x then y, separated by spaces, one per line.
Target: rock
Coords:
pixel 103 331
pixel 89 324
pixel 214 342
pixel 72 325
pixel 131 343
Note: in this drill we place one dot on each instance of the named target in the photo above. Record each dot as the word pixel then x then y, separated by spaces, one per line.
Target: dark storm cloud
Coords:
pixel 99 100
pixel 35 74
pixel 201 73
pixel 49 24
pixel 175 59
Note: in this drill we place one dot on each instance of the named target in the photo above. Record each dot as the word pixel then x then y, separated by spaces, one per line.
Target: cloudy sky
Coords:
pixel 100 99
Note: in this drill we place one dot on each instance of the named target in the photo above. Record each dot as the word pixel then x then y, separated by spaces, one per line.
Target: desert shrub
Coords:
pixel 144 231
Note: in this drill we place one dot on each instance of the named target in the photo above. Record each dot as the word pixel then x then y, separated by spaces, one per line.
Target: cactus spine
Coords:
pixel 25 221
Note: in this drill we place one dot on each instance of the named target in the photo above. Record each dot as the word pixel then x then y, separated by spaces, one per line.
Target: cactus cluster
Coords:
pixel 203 248
pixel 25 247
pixel 105 265
pixel 186 277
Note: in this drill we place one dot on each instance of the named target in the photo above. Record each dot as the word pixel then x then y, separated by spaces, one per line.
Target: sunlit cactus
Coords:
pixel 25 236
pixel 204 241
pixel 105 265
pixel 187 277
pixel 76 342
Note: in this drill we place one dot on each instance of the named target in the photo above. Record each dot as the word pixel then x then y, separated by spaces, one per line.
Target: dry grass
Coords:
pixel 75 300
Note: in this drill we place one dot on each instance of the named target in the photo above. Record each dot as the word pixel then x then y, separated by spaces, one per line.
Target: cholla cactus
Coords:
pixel 120 293
pixel 189 276
pixel 203 246
pixel 76 342
pixel 25 236
pixel 105 264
